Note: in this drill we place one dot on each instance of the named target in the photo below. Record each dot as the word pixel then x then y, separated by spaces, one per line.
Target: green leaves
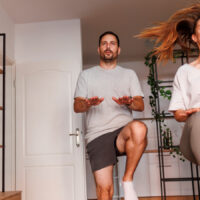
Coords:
pixel 166 133
pixel 165 93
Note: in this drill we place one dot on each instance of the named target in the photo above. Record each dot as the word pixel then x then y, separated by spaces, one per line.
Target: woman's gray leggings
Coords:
pixel 190 140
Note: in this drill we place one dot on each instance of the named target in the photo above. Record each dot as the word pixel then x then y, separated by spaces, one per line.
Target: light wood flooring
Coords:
pixel 16 195
pixel 168 198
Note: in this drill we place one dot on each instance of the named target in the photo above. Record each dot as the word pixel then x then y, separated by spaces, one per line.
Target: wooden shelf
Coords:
pixel 1 146
pixel 1 107
pixel 14 195
pixel 156 150
pixel 1 71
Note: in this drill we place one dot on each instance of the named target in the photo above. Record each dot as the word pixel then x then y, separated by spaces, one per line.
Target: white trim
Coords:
pixel 13 137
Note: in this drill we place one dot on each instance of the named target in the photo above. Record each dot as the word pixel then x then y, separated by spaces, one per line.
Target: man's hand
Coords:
pixel 133 103
pixel 125 100
pixel 182 115
pixel 94 101
pixel 83 104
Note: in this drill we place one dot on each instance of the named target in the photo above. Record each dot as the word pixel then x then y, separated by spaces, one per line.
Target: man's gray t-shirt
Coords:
pixel 107 116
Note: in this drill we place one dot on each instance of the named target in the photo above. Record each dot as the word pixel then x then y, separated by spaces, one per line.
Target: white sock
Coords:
pixel 129 191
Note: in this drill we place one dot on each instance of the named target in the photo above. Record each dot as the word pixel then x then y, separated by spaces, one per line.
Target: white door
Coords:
pixel 50 164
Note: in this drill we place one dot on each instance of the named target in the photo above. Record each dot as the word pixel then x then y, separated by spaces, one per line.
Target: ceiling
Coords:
pixel 125 17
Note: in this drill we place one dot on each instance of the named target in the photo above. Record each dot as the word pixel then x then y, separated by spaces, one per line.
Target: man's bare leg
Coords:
pixel 104 183
pixel 132 140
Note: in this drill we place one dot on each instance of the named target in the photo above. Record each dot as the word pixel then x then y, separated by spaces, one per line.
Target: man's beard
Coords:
pixel 108 59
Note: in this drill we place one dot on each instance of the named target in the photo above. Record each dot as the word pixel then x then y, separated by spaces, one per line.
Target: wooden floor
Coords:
pixel 16 195
pixel 168 198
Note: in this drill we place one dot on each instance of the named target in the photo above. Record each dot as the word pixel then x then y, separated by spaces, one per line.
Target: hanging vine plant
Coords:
pixel 156 91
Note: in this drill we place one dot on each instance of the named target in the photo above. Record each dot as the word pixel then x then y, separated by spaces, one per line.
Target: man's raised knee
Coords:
pixel 138 129
pixel 138 126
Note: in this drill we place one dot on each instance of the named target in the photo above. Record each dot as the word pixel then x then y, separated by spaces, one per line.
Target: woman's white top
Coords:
pixel 186 88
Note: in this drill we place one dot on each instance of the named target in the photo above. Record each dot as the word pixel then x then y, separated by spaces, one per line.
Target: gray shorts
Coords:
pixel 103 151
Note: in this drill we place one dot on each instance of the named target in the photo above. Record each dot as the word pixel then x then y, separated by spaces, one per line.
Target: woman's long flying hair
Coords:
pixel 178 29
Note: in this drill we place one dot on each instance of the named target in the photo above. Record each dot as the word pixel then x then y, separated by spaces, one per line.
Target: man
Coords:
pixel 108 93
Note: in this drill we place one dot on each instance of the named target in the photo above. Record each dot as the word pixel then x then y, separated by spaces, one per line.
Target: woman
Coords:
pixel 183 28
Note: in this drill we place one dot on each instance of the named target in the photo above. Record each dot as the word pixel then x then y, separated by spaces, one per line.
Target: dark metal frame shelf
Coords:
pixel 161 149
pixel 3 72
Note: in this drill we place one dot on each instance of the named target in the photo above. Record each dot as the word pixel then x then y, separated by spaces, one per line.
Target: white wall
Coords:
pixel 9 130
pixel 50 41
pixel 7 26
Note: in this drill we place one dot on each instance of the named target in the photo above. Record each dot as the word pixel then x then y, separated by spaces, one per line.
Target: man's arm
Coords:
pixel 137 104
pixel 83 104
pixel 134 103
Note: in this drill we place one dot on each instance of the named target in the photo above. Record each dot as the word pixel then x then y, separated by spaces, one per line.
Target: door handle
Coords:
pixel 77 134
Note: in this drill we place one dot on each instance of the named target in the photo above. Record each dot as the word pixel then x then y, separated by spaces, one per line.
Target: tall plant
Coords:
pixel 156 90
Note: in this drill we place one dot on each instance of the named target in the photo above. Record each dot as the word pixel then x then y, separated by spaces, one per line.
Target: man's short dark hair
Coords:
pixel 109 33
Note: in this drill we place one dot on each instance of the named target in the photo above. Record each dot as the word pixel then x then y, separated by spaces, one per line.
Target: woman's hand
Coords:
pixel 182 115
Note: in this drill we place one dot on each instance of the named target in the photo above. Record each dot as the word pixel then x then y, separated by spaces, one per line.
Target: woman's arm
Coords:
pixel 182 115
